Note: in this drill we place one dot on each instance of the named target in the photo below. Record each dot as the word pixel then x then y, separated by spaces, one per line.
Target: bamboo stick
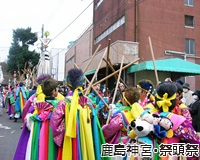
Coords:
pixel 94 76
pixel 108 52
pixel 154 62
pixel 110 75
pixel 111 67
pixel 86 67
pixel 93 88
pixel 116 87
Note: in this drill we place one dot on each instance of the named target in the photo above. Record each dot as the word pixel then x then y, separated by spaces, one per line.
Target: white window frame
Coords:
pixel 112 28
pixel 189 3
pixel 190 46
pixel 192 21
pixel 98 3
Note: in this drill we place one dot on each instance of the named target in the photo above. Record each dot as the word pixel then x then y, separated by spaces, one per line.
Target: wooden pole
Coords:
pixel 94 76
pixel 111 67
pixel 86 67
pixel 116 75
pixel 93 88
pixel 108 52
pixel 116 87
pixel 154 62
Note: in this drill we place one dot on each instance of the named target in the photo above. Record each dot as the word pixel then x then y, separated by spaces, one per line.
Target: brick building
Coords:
pixel 172 26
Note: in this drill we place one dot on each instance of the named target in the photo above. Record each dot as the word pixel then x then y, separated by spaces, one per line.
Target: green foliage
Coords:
pixel 19 54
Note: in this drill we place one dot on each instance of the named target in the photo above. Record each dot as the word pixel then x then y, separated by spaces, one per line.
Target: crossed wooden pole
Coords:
pixel 115 73
pixel 93 88
pixel 113 70
pixel 95 74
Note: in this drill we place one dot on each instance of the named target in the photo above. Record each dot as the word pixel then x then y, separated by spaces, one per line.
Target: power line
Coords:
pixel 72 21
pixel 52 15
pixel 126 8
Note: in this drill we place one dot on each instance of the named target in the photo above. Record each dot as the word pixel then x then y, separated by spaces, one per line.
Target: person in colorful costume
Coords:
pixel 99 105
pixel 165 102
pixel 145 88
pixel 10 102
pixel 21 98
pixel 40 142
pixel 1 103
pixel 76 129
pixel 38 96
pixel 116 130
pixel 29 108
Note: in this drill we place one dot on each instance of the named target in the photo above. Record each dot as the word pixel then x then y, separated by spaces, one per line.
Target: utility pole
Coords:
pixel 42 46
pixel 43 67
pixel 40 69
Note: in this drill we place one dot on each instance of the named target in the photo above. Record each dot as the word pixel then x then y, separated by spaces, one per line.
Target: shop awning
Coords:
pixel 185 68
pixel 90 72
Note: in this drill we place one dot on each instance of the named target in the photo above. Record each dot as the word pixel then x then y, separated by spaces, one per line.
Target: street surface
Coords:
pixel 9 135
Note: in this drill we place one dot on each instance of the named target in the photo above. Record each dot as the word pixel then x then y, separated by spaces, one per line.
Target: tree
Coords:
pixel 19 55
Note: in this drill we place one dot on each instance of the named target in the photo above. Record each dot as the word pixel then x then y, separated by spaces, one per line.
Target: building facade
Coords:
pixel 172 26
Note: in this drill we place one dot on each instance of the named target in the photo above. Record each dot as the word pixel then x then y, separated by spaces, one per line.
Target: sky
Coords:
pixel 65 20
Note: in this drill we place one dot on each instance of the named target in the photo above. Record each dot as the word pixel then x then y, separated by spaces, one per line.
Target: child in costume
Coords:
pixel 145 88
pixel 40 143
pixel 38 96
pixel 30 105
pixel 116 130
pixel 75 125
pixel 165 102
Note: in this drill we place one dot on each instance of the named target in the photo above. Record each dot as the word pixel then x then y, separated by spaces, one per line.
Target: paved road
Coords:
pixel 9 135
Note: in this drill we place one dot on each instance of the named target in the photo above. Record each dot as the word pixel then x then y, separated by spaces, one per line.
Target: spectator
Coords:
pixel 120 89
pixel 187 94
pixel 195 111
pixel 180 108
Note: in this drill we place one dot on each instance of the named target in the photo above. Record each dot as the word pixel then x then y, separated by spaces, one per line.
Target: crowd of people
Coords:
pixel 139 122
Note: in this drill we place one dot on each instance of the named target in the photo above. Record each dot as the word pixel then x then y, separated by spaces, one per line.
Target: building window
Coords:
pixel 189 21
pixel 98 4
pixel 189 2
pixel 190 46
pixel 108 31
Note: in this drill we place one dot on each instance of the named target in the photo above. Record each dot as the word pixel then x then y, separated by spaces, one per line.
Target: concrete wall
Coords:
pixel 79 51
